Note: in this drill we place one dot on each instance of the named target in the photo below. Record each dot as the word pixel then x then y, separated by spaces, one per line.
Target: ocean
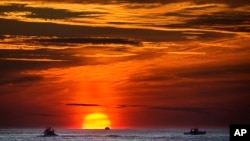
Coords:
pixel 113 135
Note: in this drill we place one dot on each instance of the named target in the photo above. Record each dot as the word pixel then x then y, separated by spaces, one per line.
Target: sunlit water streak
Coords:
pixel 113 135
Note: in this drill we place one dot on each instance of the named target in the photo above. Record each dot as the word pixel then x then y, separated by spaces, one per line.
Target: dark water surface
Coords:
pixel 113 135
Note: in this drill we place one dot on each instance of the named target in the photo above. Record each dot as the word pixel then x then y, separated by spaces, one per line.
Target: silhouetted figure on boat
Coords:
pixel 49 132
pixel 195 131
pixel 107 128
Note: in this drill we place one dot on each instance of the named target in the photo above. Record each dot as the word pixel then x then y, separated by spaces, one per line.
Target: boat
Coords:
pixel 107 128
pixel 195 131
pixel 49 132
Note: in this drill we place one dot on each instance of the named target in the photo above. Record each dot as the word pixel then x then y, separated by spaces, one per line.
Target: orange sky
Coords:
pixel 144 65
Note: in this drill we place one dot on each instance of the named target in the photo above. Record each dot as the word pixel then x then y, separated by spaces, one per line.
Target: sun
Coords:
pixel 96 121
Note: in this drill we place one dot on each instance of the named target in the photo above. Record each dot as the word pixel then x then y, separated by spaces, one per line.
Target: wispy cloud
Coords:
pixel 113 55
pixel 147 107
pixel 229 2
pixel 83 105
pixel 92 40
pixel 115 35
pixel 42 114
pixel 44 12
pixel 18 79
pixel 223 20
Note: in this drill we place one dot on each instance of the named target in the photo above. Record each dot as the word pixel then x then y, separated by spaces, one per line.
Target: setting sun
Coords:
pixel 96 121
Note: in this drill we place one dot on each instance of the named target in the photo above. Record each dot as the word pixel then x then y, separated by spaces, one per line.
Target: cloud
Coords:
pixel 110 55
pixel 201 110
pixel 234 21
pixel 42 114
pixel 115 35
pixel 83 105
pixel 19 79
pixel 201 7
pixel 78 40
pixel 1 37
pixel 223 20
pixel 16 60
pixel 223 69
pixel 187 52
pixel 229 2
pixel 206 75
pixel 169 108
pixel 45 13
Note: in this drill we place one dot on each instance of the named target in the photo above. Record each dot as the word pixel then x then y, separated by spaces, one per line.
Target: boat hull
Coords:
pixel 48 135
pixel 196 133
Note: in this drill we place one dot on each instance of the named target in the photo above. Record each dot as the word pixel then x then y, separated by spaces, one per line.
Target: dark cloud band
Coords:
pixel 147 107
